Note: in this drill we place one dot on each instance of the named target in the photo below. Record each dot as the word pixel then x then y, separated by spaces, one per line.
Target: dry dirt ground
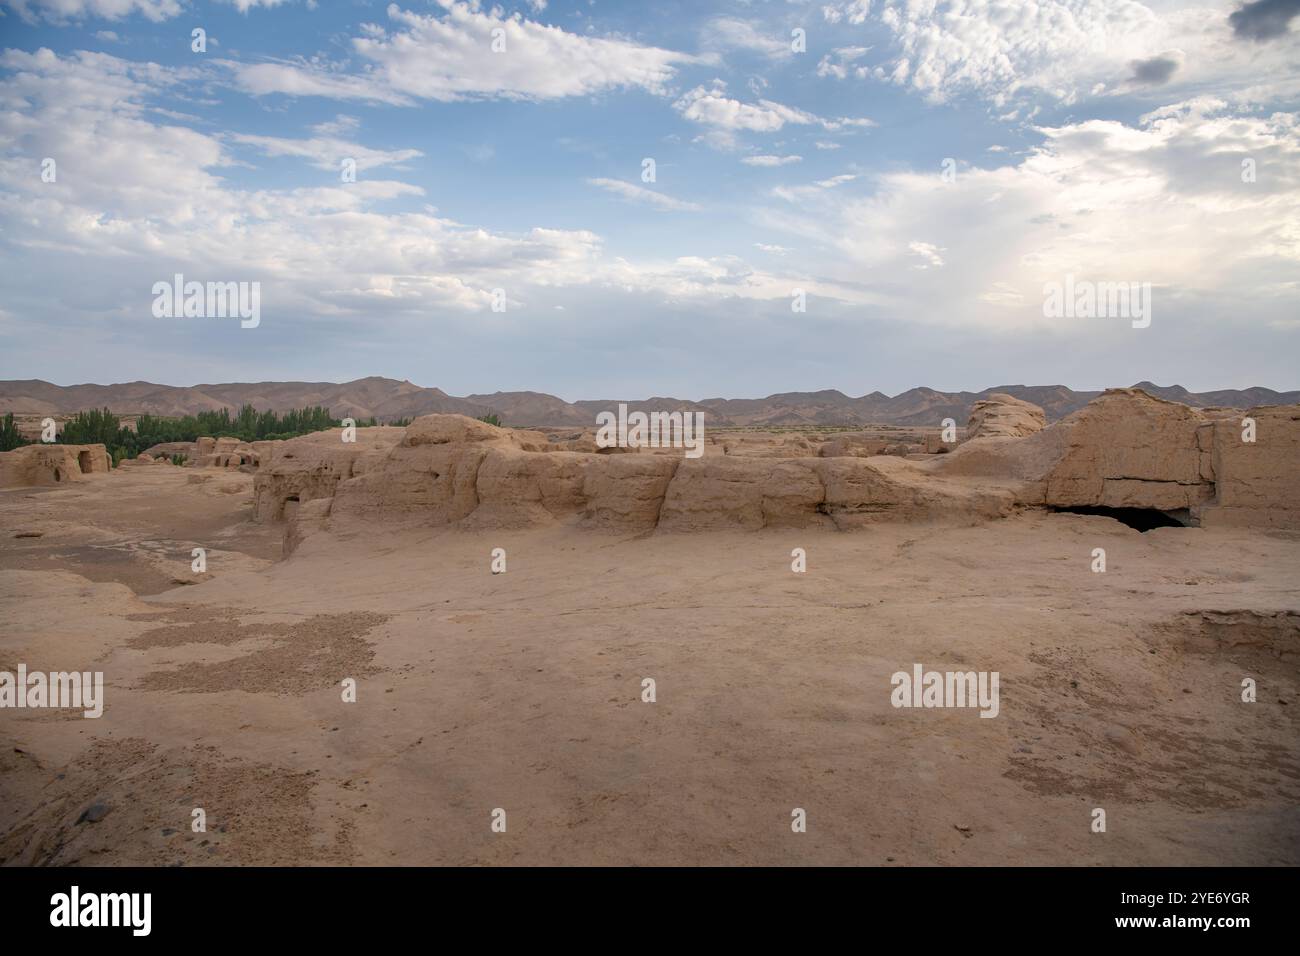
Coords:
pixel 522 691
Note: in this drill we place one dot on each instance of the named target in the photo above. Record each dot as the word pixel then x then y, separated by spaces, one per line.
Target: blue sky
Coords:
pixel 1103 139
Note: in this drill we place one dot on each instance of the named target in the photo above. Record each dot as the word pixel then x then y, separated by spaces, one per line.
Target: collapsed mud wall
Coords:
pixel 1128 449
pixel 446 469
pixel 1257 482
pixel 1125 450
pixel 208 452
pixel 51 464
pixel 310 467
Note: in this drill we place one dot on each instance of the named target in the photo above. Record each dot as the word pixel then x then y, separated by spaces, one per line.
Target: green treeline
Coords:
pixel 100 426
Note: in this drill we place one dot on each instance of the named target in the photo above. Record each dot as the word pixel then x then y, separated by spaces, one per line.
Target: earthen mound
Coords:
pixel 51 464
pixel 1002 416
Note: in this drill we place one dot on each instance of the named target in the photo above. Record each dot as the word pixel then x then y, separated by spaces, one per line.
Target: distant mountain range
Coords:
pixel 388 399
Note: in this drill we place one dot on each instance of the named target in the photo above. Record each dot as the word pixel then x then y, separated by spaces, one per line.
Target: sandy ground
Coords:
pixel 522 691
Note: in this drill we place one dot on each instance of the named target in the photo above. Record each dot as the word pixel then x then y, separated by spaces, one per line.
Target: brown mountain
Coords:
pixel 388 399
pixel 532 408
pixel 376 397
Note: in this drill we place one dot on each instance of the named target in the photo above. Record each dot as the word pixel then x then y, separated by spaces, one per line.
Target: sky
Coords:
pixel 598 198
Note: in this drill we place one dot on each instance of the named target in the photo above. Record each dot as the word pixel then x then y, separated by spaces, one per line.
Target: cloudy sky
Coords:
pixel 795 146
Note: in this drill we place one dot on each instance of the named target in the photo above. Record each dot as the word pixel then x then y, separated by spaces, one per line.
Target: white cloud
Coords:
pixel 730 33
pixel 327 152
pixel 1159 201
pixel 771 160
pixel 721 277
pixel 300 78
pixel 338 126
pixel 812 191
pixel 139 196
pixel 243 6
pixel 450 57
pixel 927 251
pixel 710 106
pixel 639 194
pixel 855 11
pixel 150 195
pixel 1064 49
pixel 840 63
pixel 64 11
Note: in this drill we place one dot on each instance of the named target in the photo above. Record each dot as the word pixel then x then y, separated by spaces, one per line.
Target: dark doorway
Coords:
pixel 1140 519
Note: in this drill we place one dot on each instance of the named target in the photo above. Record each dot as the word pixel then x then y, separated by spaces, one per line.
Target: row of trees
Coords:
pixel 101 426
pixel 248 424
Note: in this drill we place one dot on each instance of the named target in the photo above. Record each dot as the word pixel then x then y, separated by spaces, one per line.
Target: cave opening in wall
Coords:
pixel 1141 519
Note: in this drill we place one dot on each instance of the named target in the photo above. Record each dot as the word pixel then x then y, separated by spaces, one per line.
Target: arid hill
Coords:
pixel 388 400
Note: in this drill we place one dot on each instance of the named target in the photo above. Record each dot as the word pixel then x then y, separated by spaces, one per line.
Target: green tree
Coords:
pixel 9 437
pixel 97 426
